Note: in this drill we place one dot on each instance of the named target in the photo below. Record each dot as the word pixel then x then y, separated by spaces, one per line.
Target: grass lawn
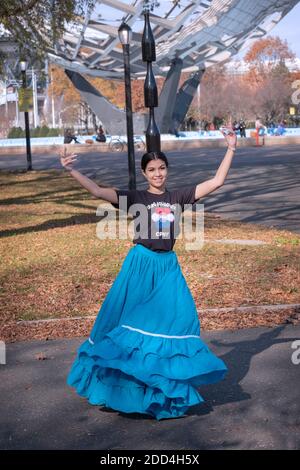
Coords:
pixel 54 265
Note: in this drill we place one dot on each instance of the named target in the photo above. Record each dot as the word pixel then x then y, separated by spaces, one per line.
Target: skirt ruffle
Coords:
pixel 145 369
pixel 132 372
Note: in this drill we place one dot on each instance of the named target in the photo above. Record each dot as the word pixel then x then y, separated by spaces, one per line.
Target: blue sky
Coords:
pixel 288 28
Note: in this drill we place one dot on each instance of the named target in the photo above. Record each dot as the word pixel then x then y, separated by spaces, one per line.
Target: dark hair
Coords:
pixel 147 157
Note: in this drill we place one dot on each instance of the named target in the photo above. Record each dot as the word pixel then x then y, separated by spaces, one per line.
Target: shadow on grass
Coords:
pixel 64 196
pixel 46 197
pixel 43 176
pixel 78 219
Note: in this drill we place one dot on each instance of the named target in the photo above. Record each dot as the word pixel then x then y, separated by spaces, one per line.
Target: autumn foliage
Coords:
pixel 68 100
pixel 263 89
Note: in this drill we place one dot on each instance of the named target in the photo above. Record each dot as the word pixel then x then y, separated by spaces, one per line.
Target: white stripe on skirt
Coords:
pixel 155 334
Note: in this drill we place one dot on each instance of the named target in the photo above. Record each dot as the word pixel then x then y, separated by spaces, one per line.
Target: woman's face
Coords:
pixel 156 173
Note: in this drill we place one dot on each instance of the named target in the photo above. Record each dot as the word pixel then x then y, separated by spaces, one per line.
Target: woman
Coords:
pixel 144 353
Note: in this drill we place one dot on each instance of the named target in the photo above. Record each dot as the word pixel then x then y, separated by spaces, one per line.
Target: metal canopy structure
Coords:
pixel 190 36
pixel 200 32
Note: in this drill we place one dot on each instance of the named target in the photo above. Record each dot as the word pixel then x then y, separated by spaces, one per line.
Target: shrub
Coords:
pixel 44 131
pixel 16 133
pixel 35 131
pixel 53 132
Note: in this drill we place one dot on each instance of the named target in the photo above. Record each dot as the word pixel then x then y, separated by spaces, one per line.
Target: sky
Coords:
pixel 288 28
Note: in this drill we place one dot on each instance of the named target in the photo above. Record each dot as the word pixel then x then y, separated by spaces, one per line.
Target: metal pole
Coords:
pixel 27 130
pixel 129 120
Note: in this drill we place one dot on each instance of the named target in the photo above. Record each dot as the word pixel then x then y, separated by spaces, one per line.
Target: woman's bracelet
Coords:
pixel 231 148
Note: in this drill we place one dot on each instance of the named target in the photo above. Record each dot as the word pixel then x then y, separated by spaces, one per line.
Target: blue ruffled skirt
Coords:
pixel 144 353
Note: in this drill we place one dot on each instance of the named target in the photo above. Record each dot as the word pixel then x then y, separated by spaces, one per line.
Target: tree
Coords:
pixel 212 93
pixel 269 77
pixel 269 52
pixel 274 96
pixel 265 90
pixel 62 88
pixel 113 90
pixel 264 55
pixel 68 102
pixel 65 96
pixel 68 99
pixel 35 25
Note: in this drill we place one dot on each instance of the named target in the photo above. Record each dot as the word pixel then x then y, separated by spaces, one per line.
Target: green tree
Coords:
pixel 36 25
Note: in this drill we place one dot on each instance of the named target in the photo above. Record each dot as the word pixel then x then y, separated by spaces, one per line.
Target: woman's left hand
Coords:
pixel 230 138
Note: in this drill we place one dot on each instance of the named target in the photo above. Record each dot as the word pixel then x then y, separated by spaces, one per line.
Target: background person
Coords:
pixel 260 130
pixel 101 137
pixel 69 136
pixel 242 128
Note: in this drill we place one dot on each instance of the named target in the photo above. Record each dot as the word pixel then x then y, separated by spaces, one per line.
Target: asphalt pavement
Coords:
pixel 256 406
pixel 262 185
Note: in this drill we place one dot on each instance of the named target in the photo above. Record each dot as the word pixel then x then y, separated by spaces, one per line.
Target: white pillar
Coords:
pixel 35 101
pixel 6 107
pixel 52 99
pixel 17 109
pixel 198 104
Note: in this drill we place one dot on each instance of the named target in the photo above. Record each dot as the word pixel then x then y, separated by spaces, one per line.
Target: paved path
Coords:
pixel 256 407
pixel 262 185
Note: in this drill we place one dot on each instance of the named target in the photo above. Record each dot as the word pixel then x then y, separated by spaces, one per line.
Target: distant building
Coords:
pixel 9 107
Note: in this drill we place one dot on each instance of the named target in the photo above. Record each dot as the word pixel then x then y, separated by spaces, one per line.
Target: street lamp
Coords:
pixel 23 65
pixel 125 35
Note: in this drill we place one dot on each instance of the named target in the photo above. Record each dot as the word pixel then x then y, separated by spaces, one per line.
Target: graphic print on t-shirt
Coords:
pixel 162 217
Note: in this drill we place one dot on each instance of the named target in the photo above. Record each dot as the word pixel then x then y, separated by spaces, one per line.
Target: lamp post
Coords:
pixel 125 35
pixel 23 65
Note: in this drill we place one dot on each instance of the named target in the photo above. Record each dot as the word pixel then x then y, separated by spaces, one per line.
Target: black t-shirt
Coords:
pixel 156 216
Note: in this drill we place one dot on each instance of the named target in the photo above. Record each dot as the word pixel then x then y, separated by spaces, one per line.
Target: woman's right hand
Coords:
pixel 67 159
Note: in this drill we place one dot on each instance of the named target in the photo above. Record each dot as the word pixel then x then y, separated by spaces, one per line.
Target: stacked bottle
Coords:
pixel 150 88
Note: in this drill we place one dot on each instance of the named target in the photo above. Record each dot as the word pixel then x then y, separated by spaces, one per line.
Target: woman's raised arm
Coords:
pixel 108 194
pixel 212 184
